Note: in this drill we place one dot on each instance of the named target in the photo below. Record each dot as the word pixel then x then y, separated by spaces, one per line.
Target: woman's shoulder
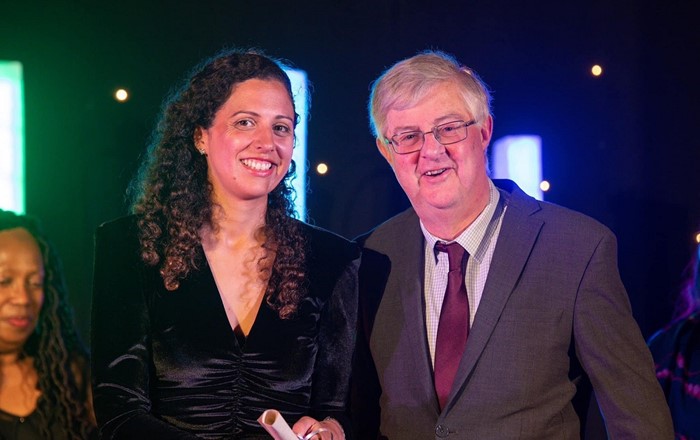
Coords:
pixel 120 225
pixel 325 244
pixel 121 232
pixel 118 240
pixel 332 263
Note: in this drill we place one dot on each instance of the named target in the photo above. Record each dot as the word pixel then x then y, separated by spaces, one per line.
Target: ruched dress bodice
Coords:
pixel 169 363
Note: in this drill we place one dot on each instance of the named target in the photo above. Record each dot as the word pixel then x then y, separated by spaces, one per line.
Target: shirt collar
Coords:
pixel 473 235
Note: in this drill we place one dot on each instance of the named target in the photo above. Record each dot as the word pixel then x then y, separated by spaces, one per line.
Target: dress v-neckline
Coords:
pixel 239 336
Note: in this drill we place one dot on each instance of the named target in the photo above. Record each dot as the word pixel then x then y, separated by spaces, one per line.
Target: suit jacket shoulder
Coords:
pixel 555 215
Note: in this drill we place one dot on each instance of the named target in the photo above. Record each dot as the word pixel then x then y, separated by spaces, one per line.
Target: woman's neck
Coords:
pixel 19 392
pixel 10 358
pixel 235 224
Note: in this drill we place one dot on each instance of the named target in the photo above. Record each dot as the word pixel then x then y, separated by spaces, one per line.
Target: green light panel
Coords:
pixel 11 137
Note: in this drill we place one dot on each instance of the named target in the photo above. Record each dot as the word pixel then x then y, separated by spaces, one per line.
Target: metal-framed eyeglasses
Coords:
pixel 447 133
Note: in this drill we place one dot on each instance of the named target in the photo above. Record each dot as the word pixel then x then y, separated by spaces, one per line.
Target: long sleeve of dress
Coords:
pixel 121 348
pixel 329 395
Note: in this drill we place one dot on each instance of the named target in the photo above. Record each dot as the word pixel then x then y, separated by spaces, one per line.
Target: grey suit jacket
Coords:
pixel 554 315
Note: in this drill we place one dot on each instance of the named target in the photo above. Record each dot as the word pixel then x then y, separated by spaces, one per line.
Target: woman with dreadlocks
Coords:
pixel 211 302
pixel 44 386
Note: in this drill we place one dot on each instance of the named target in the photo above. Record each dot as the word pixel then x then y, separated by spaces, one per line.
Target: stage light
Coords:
pixel 121 95
pixel 596 70
pixel 544 185
pixel 697 237
pixel 11 137
pixel 519 158
pixel 322 168
pixel 300 92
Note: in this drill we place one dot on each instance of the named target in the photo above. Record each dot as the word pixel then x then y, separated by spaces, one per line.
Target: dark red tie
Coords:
pixel 453 327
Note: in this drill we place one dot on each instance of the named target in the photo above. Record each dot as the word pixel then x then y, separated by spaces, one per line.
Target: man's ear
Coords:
pixel 385 150
pixel 486 129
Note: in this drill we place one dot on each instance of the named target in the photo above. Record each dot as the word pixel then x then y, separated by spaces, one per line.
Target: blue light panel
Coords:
pixel 519 158
pixel 300 91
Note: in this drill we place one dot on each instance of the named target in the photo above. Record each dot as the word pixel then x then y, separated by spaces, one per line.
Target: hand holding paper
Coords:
pixel 274 423
pixel 277 427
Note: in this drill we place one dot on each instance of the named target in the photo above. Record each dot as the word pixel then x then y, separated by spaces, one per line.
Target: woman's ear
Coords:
pixel 200 140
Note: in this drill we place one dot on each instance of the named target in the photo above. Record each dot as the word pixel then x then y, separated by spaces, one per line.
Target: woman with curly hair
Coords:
pixel 44 384
pixel 211 302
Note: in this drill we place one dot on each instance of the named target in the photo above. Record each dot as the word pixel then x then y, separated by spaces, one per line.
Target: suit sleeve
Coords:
pixel 121 351
pixel 613 353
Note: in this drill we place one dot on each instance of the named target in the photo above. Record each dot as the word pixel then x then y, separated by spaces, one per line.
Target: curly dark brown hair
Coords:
pixel 172 195
pixel 57 351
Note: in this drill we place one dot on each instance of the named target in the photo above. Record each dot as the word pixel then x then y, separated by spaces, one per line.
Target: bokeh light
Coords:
pixel 544 185
pixel 322 168
pixel 596 70
pixel 121 95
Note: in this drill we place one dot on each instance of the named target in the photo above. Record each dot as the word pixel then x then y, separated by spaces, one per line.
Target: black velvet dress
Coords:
pixel 166 364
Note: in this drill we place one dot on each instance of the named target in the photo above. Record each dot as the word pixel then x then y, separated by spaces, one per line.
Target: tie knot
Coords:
pixel 455 253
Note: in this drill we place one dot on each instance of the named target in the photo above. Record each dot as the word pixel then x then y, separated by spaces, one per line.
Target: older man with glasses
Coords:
pixel 486 314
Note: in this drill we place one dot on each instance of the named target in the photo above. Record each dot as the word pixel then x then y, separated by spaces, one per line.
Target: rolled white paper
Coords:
pixel 274 423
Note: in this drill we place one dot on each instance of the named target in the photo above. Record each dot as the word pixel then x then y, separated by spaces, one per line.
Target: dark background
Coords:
pixel 622 148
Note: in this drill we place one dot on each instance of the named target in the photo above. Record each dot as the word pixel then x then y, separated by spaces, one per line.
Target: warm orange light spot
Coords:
pixel 322 168
pixel 596 70
pixel 544 186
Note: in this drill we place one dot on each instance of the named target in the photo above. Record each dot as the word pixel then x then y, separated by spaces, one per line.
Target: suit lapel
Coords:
pixel 411 274
pixel 517 236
